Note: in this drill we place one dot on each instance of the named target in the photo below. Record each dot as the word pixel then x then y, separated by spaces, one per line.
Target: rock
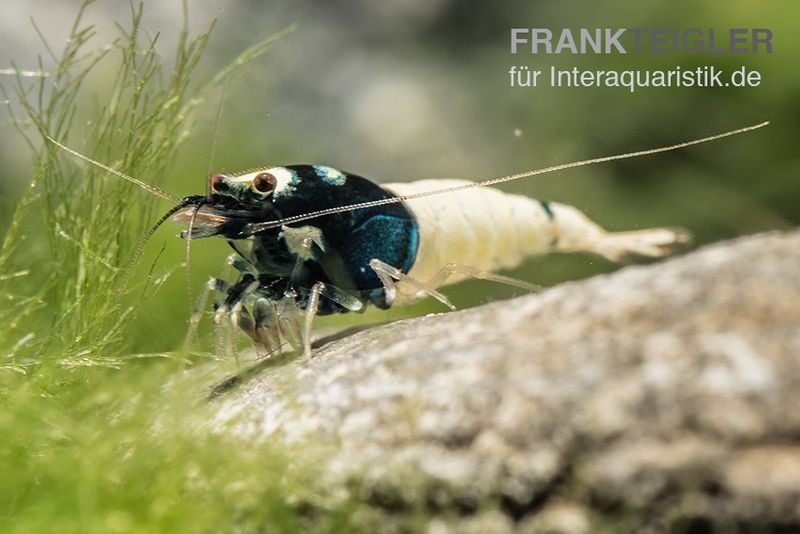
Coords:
pixel 663 395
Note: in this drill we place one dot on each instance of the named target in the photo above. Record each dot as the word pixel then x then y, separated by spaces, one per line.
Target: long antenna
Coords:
pixel 188 252
pixel 257 227
pixel 217 120
pixel 153 190
pixel 137 252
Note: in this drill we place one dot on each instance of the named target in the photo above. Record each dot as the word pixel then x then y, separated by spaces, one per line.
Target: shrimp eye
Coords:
pixel 264 182
pixel 218 183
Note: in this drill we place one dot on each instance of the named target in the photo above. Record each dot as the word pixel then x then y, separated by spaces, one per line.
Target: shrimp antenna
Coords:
pixel 153 190
pixel 188 253
pixel 189 250
pixel 137 252
pixel 257 227
pixel 217 120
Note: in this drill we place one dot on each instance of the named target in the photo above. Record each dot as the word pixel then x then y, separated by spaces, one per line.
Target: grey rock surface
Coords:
pixel 658 396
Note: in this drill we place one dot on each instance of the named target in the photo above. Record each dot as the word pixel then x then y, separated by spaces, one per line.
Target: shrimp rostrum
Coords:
pixel 313 239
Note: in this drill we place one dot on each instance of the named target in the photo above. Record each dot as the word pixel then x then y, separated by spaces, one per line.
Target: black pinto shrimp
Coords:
pixel 316 240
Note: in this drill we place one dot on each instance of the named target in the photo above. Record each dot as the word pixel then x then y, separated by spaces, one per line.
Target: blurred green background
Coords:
pixel 419 89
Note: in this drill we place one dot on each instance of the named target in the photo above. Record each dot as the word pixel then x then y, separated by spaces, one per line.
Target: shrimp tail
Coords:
pixel 651 243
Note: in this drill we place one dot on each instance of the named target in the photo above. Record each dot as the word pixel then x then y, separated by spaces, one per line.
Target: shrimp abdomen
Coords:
pixel 487 229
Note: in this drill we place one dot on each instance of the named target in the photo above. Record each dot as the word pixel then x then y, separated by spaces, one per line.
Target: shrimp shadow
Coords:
pixel 272 361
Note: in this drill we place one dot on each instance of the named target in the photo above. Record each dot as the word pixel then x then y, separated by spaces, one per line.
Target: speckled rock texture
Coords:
pixel 663 396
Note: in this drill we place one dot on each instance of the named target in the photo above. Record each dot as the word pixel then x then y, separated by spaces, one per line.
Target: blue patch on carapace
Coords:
pixel 391 239
pixel 330 175
pixel 413 243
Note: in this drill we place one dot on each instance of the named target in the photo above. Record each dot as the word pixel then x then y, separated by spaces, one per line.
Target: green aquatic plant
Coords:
pixel 96 436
